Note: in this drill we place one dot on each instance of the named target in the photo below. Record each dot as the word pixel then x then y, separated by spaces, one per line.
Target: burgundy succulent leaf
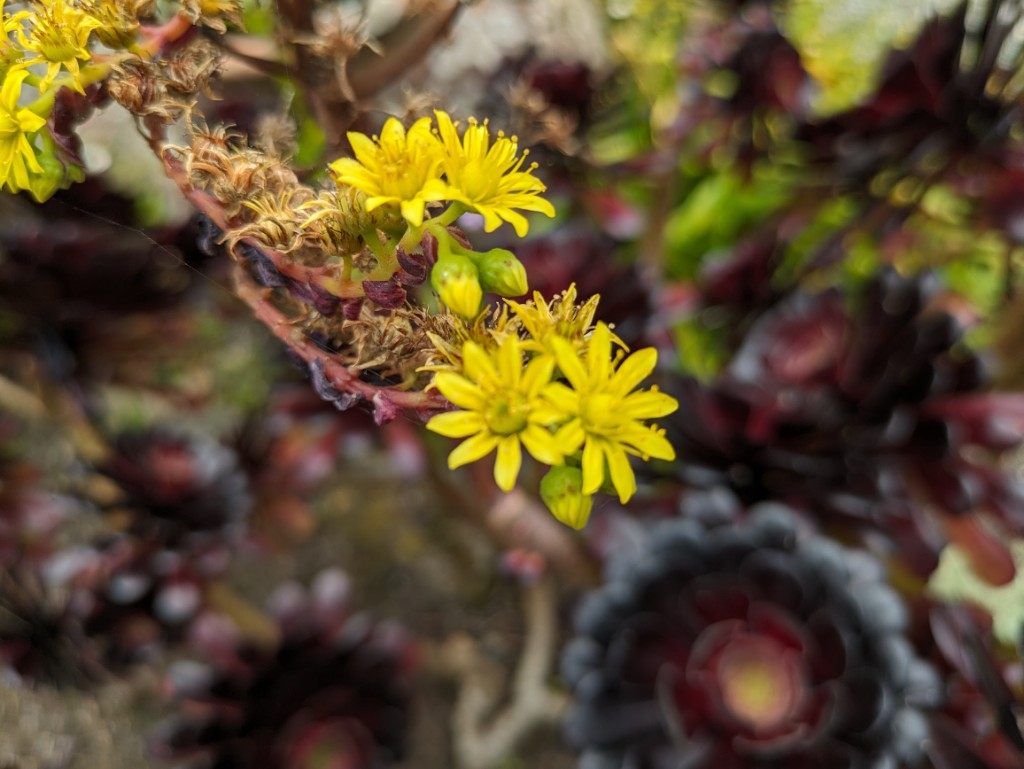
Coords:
pixel 386 294
pixel 315 295
pixel 742 280
pixel 746 647
pixel 263 267
pixel 980 722
pixel 416 265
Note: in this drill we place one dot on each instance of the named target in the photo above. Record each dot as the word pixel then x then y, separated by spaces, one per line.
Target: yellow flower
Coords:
pixel 397 167
pixel 561 318
pixel 17 155
pixel 119 19
pixel 59 36
pixel 606 417
pixel 487 178
pixel 9 52
pixel 502 409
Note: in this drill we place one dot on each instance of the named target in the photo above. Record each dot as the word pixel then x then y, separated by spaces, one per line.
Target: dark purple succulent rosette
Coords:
pixel 181 488
pixel 757 646
pixel 332 691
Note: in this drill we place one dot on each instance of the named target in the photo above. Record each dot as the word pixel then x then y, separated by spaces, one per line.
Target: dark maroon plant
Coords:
pixel 750 646
pixel 332 691
pixel 135 598
pixel 932 103
pixel 978 728
pixel 179 487
pixel 860 414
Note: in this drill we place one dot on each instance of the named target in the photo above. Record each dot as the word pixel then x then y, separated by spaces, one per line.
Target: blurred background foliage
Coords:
pixel 711 162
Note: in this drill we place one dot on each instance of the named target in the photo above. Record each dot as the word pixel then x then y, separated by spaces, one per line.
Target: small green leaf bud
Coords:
pixel 561 490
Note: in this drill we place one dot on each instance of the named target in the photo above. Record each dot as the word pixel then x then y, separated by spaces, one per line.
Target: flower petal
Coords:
pixel 649 443
pixel 570 364
pixel 599 355
pixel 542 445
pixel 460 391
pixel 537 375
pixel 510 363
pixel 593 466
pixel 478 365
pixel 456 424
pixel 570 437
pixel 634 370
pixel 413 210
pixel 472 449
pixel 562 398
pixel 623 478
pixel 648 404
pixel 508 462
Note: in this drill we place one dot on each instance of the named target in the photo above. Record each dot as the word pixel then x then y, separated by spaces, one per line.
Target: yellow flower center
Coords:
pixel 57 45
pixel 508 414
pixel 762 683
pixel 402 169
pixel 598 413
pixel 479 180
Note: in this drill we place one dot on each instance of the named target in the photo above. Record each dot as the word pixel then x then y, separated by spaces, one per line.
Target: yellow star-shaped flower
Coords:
pixel 17 155
pixel 606 417
pixel 487 178
pixel 398 167
pixel 58 36
pixel 502 409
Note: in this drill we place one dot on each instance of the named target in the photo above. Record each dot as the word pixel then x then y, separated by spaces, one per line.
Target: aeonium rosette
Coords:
pixel 749 646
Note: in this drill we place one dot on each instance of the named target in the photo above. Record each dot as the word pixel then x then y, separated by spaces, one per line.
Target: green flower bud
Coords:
pixel 457 282
pixel 55 175
pixel 501 273
pixel 561 490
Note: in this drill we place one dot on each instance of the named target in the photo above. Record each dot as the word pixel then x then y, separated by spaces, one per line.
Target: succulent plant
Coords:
pixel 179 488
pixel 745 646
pixel 333 691
pixel 859 414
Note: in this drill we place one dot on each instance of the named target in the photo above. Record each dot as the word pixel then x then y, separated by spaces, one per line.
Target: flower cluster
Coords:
pixel 408 171
pixel 54 34
pixel 45 49
pixel 566 392
pixel 420 166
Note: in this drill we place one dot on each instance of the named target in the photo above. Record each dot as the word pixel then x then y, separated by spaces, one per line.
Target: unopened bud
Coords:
pixel 501 273
pixel 562 491
pixel 457 282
